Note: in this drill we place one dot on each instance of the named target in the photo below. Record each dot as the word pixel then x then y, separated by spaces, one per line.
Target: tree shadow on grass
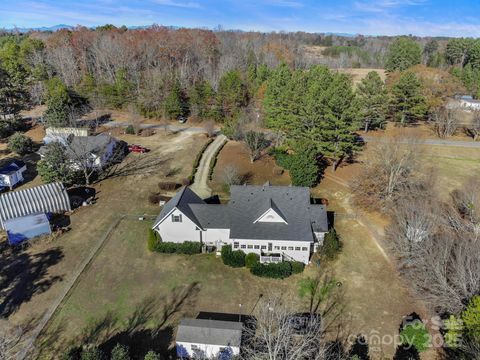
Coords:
pixel 23 275
pixel 149 327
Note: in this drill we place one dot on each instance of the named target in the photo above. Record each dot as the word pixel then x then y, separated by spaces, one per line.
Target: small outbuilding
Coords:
pixel 12 174
pixel 27 227
pixel 44 199
pixel 207 339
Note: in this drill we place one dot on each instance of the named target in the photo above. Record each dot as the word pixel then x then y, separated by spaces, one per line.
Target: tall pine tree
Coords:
pixel 408 102
pixel 373 101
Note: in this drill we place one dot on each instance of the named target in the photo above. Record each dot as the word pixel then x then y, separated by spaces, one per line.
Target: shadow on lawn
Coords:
pixel 149 327
pixel 23 275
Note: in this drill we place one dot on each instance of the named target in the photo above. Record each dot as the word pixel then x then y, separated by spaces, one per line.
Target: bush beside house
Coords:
pixel 331 245
pixel 155 244
pixel 252 261
pixel 279 270
pixel 233 258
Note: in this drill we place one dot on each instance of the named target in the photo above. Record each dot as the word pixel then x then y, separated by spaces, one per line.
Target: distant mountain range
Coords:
pixel 70 27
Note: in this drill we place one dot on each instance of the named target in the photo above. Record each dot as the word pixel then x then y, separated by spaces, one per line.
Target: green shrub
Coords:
pixel 251 259
pixel 214 161
pixel 273 270
pixel 5 129
pixel 331 245
pixel 297 267
pixel 187 247
pixel 415 334
pixel 233 258
pixel 153 240
pixel 130 130
pixel 20 144
pixel 120 352
pixel 281 157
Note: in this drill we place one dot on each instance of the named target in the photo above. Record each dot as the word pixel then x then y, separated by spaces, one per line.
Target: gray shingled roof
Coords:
pixel 247 204
pixel 182 201
pixel 80 145
pixel 212 216
pixel 212 332
pixel 292 203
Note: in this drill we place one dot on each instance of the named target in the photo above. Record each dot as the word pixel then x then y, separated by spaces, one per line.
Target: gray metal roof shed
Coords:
pixel 48 198
pixel 212 332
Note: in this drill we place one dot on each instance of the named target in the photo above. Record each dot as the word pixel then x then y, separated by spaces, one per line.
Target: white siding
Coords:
pixel 12 179
pixel 297 250
pixel 216 237
pixel 204 351
pixel 178 232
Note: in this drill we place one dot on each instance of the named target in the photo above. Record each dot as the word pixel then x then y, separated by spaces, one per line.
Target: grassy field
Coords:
pixel 37 274
pixel 125 275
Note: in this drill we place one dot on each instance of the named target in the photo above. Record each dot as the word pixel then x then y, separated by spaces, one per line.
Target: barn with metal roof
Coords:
pixel 48 198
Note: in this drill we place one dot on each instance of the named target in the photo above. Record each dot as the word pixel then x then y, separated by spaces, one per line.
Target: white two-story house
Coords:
pixel 276 222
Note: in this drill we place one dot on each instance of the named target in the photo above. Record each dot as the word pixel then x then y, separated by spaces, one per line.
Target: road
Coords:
pixel 169 127
pixel 200 184
pixel 436 142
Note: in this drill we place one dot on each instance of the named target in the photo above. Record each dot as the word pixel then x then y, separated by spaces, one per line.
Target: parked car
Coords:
pixel 137 148
pixel 182 119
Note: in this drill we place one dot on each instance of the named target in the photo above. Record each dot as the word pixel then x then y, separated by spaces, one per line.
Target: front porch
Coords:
pixel 271 258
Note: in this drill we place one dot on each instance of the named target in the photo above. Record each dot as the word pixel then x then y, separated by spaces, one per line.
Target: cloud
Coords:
pixel 385 5
pixel 285 3
pixel 191 5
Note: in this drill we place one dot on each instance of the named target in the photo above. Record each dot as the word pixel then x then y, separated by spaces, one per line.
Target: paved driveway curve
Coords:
pixel 200 184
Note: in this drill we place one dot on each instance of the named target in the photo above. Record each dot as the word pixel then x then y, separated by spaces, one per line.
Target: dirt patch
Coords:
pixel 236 154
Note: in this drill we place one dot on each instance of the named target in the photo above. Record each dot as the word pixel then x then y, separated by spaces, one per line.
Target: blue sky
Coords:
pixel 372 17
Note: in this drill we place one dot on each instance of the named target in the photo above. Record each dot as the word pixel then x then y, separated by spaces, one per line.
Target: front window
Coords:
pixel 304 248
pixel 277 247
pixel 235 245
pixel 290 248
pixel 257 246
pixel 264 247
pixel 177 218
pixel 284 248
pixel 243 246
pixel 250 246
pixel 297 248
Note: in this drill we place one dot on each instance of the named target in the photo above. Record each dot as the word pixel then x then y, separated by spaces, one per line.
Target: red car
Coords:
pixel 137 148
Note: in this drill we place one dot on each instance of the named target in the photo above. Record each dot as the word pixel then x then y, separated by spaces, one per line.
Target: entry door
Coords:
pixel 270 247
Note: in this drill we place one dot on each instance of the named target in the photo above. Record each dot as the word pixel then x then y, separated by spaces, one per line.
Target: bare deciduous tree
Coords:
pixel 256 143
pixel 474 128
pixel 231 175
pixel 437 249
pixel 446 122
pixel 278 333
pixel 391 169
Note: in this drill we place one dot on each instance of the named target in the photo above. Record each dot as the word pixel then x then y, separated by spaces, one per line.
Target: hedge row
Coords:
pixel 214 161
pixel 196 162
pixel 156 244
pixel 279 270
pixel 252 261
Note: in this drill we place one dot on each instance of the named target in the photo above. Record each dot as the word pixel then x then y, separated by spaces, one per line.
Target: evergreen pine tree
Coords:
pixel 373 101
pixel 408 102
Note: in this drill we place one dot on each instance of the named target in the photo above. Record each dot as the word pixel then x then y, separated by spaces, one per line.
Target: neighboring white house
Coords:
pixel 62 134
pixel 464 102
pixel 208 339
pixel 276 222
pixel 95 151
pixel 12 174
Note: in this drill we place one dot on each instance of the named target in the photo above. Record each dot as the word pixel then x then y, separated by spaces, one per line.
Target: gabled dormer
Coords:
pixel 271 215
